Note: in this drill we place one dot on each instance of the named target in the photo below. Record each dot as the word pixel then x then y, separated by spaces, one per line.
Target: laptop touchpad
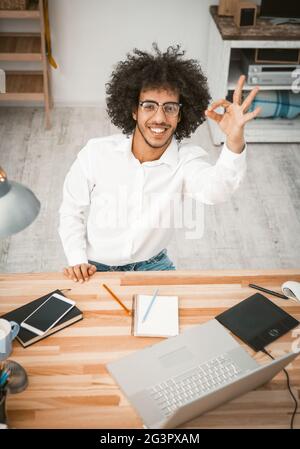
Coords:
pixel 180 355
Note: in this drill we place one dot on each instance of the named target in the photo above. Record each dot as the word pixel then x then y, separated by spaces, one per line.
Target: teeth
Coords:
pixel 157 130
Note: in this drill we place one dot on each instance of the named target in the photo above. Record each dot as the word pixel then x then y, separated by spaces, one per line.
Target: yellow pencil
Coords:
pixel 117 299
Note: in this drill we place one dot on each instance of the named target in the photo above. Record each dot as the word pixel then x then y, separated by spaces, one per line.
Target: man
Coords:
pixel 156 100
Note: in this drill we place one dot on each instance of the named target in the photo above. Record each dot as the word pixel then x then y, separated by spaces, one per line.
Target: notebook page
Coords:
pixel 162 320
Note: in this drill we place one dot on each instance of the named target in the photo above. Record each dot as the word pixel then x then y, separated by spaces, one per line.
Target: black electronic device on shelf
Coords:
pixel 279 11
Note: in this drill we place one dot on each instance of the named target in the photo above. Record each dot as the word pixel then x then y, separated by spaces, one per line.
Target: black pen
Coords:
pixel 262 289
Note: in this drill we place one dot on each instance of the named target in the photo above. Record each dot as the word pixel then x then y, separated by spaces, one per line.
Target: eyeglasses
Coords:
pixel 170 108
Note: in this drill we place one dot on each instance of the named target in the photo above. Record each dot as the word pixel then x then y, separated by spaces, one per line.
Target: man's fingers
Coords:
pixel 248 100
pixel 214 116
pixel 78 273
pixel 253 114
pixel 73 274
pixel 66 272
pixel 88 270
pixel 210 112
pixel 237 94
pixel 92 270
pixel 216 104
pixel 84 271
pixel 70 273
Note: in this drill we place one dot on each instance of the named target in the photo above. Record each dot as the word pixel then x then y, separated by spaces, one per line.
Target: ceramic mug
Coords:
pixel 8 332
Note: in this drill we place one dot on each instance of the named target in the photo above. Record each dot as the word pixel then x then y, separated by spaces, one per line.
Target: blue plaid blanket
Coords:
pixel 277 103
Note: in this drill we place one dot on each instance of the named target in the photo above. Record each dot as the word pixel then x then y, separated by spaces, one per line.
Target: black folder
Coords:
pixel 25 337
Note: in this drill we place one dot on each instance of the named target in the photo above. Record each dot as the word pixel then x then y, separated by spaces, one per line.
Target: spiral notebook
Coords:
pixel 162 319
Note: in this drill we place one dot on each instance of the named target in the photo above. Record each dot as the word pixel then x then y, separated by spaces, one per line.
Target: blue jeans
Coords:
pixel 160 262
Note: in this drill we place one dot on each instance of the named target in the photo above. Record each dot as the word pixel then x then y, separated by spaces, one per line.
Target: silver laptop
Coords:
pixel 182 377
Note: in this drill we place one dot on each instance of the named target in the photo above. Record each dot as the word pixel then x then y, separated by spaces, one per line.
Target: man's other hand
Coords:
pixel 81 272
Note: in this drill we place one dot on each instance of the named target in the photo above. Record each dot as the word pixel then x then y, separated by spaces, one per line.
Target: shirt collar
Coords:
pixel 169 157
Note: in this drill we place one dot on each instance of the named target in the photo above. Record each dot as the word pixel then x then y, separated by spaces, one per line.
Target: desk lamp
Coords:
pixel 18 209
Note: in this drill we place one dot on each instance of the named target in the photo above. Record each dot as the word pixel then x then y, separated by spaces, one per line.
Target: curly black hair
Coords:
pixel 142 70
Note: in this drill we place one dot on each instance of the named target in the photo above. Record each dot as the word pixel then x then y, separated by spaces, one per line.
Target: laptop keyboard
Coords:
pixel 190 385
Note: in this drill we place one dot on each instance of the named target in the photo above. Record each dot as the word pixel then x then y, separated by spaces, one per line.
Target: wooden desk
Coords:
pixel 69 385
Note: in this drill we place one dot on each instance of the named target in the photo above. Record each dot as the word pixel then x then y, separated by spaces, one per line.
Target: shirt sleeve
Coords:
pixel 77 190
pixel 212 184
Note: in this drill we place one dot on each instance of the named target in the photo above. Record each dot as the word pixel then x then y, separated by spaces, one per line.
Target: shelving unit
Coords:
pixel 27 85
pixel 20 47
pixel 235 72
pixel 24 86
pixel 223 72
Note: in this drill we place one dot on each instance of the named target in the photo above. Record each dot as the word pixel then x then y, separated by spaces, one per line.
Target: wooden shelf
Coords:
pixel 276 130
pixel 23 86
pixel 20 47
pixel 32 12
pixel 263 30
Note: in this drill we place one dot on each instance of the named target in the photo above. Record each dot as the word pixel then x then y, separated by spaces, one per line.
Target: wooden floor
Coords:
pixel 259 228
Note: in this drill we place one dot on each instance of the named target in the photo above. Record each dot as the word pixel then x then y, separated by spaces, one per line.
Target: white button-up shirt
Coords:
pixel 130 204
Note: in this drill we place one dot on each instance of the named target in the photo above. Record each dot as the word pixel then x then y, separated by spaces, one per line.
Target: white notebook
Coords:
pixel 162 319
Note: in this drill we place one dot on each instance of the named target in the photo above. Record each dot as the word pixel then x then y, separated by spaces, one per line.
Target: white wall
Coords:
pixel 89 37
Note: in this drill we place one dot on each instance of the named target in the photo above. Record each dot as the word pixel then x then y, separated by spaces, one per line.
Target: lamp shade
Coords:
pixel 18 206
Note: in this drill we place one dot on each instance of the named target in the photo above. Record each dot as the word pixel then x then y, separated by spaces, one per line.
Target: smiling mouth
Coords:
pixel 158 131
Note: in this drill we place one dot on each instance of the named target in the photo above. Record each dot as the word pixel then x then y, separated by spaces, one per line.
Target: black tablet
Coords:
pixel 257 321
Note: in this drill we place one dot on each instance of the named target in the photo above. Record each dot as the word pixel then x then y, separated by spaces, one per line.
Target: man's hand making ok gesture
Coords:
pixel 235 115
